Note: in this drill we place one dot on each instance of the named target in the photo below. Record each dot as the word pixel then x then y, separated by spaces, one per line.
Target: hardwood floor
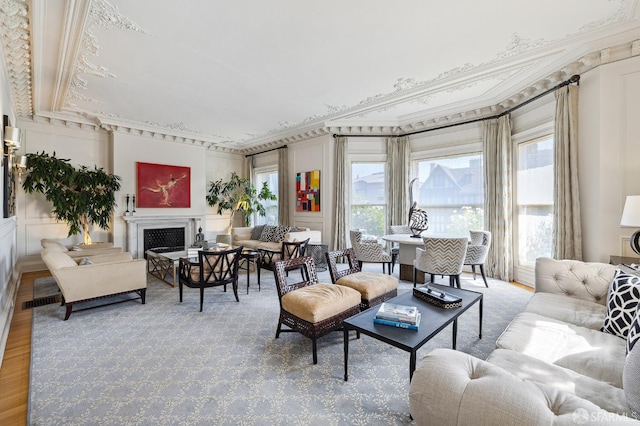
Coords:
pixel 14 373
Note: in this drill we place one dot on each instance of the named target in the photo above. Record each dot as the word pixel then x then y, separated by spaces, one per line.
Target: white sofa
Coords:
pixel 552 364
pixel 104 275
pixel 241 236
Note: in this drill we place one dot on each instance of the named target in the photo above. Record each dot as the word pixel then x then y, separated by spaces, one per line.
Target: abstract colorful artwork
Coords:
pixel 160 185
pixel 308 191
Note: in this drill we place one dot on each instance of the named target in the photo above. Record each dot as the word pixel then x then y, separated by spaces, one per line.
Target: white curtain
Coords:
pixel 340 189
pixel 248 170
pixel 496 138
pixel 398 155
pixel 567 233
pixel 283 186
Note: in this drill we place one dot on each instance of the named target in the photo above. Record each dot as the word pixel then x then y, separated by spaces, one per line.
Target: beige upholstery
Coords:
pixel 369 284
pixel 241 236
pixel 80 250
pixel 318 302
pixel 552 364
pixel 109 274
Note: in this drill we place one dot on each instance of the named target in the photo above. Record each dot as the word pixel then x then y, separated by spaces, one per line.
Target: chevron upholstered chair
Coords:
pixel 441 256
pixel 395 247
pixel 477 252
pixel 369 251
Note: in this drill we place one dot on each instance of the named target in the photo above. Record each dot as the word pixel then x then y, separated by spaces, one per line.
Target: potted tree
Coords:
pixel 238 195
pixel 80 196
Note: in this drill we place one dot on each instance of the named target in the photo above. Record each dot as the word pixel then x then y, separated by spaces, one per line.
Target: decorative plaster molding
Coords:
pixel 14 27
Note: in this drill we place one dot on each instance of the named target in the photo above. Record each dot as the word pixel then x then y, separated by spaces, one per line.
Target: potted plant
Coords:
pixel 238 195
pixel 80 196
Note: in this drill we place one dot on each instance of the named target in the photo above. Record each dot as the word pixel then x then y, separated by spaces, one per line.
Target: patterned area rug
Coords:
pixel 167 363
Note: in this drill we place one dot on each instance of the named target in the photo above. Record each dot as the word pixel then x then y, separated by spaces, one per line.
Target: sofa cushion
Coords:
pixel 603 394
pixel 318 302
pixel 568 309
pixel 588 352
pixel 631 381
pixel 55 259
pixel 51 244
pixel 256 232
pixel 634 331
pixel 622 301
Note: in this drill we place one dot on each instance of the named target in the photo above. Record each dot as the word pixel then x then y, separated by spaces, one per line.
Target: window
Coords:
pixel 534 180
pixel 270 176
pixel 368 199
pixel 451 191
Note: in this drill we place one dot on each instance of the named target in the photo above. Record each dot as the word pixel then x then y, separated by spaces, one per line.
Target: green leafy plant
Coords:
pixel 80 196
pixel 238 195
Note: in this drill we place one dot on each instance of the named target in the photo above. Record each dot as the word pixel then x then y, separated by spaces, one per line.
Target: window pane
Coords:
pixel 368 198
pixel 271 207
pixel 534 180
pixel 451 191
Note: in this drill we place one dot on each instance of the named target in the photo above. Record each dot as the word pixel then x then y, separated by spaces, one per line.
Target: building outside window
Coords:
pixel 534 200
pixel 269 175
pixel 451 191
pixel 368 199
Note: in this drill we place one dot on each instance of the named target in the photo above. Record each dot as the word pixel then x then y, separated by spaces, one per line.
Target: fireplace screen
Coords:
pixel 167 239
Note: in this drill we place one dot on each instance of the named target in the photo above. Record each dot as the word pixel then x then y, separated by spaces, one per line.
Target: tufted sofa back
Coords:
pixel 582 280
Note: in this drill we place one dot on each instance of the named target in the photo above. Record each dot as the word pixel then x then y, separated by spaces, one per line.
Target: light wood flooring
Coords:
pixel 14 373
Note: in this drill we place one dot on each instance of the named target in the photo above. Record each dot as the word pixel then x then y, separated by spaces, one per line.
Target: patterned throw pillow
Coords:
pixel 267 233
pixel 634 331
pixel 280 233
pixel 622 302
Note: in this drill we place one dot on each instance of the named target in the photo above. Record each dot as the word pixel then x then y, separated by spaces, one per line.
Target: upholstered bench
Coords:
pixel 374 288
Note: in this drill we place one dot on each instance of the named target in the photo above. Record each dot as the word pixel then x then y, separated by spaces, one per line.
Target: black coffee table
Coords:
pixel 434 320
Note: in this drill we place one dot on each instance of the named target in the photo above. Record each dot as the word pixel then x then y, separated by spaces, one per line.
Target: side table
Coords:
pixel 317 252
pixel 616 260
pixel 249 257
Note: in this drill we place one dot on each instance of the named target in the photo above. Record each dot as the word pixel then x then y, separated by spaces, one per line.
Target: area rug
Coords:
pixel 167 363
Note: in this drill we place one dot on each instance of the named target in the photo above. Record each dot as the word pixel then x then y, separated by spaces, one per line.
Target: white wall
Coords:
pixel 609 155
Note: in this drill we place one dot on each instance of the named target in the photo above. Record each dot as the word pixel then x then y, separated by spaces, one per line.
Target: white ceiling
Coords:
pixel 250 74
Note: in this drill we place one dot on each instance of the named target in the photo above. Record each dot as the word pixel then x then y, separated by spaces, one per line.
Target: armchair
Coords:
pixel 441 256
pixel 369 251
pixel 213 269
pixel 477 252
pixel 288 250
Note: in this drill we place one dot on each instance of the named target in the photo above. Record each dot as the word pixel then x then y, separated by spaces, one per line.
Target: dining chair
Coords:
pixel 369 251
pixel 477 252
pixel 288 250
pixel 212 269
pixel 441 256
pixel 395 247
pixel 309 307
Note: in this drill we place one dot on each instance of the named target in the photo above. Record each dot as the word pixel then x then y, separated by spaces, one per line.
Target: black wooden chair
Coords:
pixel 213 269
pixel 288 250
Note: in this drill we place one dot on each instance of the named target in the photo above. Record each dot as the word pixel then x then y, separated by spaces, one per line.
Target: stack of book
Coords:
pixel 395 315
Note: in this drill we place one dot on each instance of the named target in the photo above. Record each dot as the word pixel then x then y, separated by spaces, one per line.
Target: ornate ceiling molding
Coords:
pixel 16 44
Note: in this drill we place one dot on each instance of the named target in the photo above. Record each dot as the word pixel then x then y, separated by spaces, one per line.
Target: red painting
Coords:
pixel 160 185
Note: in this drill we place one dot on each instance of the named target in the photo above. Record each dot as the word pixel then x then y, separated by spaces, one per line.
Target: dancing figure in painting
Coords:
pixel 166 189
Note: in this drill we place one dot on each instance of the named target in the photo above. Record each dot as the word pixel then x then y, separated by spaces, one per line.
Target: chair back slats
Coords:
pixel 333 266
pixel 295 249
pixel 280 273
pixel 219 266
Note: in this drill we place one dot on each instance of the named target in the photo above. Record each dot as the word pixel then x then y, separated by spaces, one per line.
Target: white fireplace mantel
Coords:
pixel 136 225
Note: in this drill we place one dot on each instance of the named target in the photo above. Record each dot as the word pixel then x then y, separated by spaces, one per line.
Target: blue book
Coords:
pixel 398 323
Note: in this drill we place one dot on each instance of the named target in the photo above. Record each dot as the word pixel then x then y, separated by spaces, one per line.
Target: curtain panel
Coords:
pixel 283 185
pixel 340 189
pixel 498 200
pixel 567 231
pixel 398 156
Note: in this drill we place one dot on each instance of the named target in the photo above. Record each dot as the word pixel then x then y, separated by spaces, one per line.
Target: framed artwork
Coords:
pixel 160 185
pixel 308 191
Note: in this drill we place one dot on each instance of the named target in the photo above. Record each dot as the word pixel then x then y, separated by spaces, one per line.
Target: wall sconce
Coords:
pixel 631 217
pixel 12 139
pixel 20 165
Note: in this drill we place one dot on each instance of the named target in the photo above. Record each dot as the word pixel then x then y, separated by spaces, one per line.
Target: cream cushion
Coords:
pixel 369 284
pixel 51 244
pixel 318 302
pixel 568 309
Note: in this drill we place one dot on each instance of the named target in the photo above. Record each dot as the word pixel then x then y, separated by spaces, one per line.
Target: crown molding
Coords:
pixel 16 46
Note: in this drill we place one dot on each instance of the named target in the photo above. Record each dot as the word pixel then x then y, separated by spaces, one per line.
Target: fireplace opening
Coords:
pixel 163 239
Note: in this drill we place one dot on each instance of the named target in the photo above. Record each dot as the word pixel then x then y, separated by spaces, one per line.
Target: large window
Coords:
pixel 534 180
pixel 270 176
pixel 368 198
pixel 451 191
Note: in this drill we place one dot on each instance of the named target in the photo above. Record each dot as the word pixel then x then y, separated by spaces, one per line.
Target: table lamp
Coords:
pixel 631 217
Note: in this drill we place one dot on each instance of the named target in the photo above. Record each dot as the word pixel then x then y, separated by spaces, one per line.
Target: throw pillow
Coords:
pixel 280 232
pixel 622 301
pixel 267 233
pixel 76 248
pixel 634 331
pixel 85 261
pixel 256 232
pixel 631 381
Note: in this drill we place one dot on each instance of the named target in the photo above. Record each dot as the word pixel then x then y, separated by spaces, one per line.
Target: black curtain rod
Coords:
pixel 573 79
pixel 269 150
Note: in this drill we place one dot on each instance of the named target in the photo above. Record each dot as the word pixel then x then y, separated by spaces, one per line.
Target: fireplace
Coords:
pixel 145 232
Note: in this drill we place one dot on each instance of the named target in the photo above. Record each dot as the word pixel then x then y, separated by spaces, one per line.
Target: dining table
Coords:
pixel 407 244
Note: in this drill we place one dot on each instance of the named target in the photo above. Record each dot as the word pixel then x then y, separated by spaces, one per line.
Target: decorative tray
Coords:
pixel 437 297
